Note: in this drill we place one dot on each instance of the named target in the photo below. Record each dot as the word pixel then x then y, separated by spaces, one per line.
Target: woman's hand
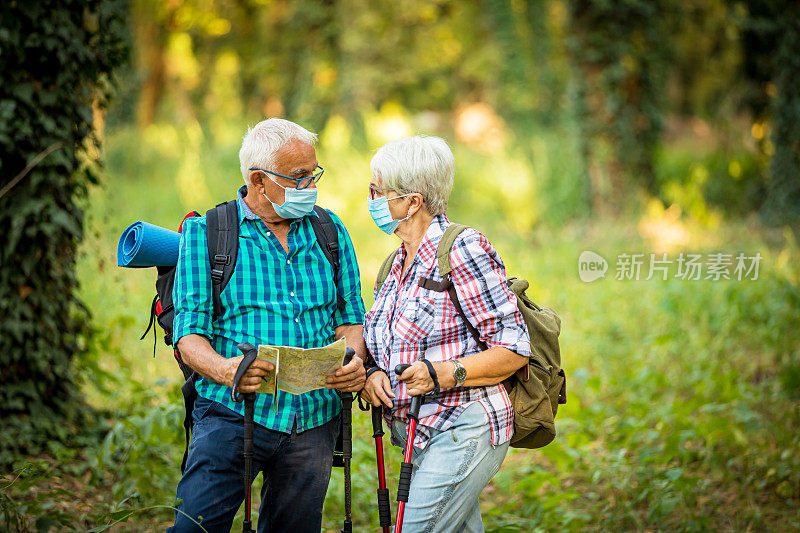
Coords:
pixel 378 390
pixel 417 379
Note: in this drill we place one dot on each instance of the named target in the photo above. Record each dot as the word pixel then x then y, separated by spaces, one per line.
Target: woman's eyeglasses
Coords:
pixel 300 183
pixel 377 192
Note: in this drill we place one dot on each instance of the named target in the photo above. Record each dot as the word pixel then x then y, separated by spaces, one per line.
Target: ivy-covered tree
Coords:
pixel 782 205
pixel 769 72
pixel 619 50
pixel 56 57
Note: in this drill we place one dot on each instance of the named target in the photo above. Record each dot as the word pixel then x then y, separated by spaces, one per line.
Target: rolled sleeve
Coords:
pixel 191 293
pixel 489 304
pixel 349 280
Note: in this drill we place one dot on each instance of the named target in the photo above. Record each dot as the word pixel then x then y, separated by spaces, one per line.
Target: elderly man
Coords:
pixel 282 292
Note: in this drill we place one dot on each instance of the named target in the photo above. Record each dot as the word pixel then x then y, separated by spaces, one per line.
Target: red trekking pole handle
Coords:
pixel 384 507
pixel 404 482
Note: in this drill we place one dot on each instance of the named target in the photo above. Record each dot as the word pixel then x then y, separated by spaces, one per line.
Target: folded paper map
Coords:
pixel 299 370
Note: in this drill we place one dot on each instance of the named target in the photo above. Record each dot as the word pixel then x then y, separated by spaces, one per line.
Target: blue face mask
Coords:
pixel 379 211
pixel 297 202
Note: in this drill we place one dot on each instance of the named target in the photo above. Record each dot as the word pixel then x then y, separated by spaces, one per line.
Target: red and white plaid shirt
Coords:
pixel 407 322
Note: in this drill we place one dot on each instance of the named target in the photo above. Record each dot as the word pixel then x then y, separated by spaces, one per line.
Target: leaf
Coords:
pixel 122 515
pixel 99 528
pixel 44 523
pixel 673 473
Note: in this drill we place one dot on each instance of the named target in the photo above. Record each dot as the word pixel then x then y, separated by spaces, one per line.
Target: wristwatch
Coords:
pixel 459 373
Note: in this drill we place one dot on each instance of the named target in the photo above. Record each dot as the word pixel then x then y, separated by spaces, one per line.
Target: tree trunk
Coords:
pixel 782 205
pixel 50 85
pixel 151 38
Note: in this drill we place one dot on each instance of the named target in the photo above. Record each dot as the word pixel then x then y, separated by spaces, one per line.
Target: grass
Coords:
pixel 684 396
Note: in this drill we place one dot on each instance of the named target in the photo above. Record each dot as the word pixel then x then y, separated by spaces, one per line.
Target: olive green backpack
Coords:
pixel 536 389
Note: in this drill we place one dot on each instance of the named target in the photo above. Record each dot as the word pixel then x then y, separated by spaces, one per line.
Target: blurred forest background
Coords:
pixel 616 126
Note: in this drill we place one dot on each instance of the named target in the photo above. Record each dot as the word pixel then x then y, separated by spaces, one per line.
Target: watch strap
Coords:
pixel 459 366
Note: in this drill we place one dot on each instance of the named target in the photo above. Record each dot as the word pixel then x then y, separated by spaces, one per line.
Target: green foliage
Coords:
pixel 143 442
pixel 731 183
pixel 31 501
pixel 706 61
pixel 39 511
pixel 759 22
pixel 531 76
pixel 55 62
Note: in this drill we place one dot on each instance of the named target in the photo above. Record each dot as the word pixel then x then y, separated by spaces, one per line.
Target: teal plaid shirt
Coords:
pixel 274 297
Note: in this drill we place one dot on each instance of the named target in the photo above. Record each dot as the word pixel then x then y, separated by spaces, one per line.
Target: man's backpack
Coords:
pixel 222 232
pixel 536 389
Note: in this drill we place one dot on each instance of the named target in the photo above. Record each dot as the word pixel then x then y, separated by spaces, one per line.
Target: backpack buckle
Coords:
pixel 222 260
pixel 436 286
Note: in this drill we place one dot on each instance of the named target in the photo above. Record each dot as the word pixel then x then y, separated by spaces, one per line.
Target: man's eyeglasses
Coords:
pixel 376 192
pixel 300 183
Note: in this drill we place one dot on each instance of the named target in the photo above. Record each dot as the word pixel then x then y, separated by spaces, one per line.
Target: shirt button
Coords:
pixel 269 233
pixel 291 294
pixel 297 320
pixel 288 261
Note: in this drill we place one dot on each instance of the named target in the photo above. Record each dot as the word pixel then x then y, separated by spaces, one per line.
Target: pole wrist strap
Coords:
pixel 434 377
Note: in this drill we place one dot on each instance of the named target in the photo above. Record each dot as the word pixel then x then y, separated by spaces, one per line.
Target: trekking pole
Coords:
pixel 384 508
pixel 249 413
pixel 347 448
pixel 404 483
pixel 250 354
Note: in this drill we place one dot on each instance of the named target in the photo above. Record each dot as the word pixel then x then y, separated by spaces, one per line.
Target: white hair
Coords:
pixel 262 142
pixel 418 164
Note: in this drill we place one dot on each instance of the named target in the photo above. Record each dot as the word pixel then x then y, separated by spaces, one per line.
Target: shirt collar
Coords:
pixel 245 213
pixel 430 242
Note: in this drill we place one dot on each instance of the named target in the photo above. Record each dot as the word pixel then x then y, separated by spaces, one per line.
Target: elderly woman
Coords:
pixel 464 431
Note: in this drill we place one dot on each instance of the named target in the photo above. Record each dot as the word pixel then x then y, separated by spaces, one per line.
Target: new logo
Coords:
pixel 591 266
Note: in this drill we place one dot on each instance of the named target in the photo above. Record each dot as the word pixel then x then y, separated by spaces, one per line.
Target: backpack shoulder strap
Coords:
pixel 446 246
pixel 383 272
pixel 328 238
pixel 222 232
pixel 447 285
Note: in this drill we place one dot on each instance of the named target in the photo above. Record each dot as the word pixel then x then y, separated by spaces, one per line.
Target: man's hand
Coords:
pixel 378 390
pixel 349 378
pixel 251 380
pixel 417 379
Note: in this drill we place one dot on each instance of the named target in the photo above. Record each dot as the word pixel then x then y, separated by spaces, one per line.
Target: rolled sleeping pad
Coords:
pixel 144 245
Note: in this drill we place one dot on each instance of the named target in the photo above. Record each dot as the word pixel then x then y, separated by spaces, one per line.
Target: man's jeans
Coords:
pixel 449 474
pixel 297 469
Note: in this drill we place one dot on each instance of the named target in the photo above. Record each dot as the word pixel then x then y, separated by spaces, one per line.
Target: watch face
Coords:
pixel 460 374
